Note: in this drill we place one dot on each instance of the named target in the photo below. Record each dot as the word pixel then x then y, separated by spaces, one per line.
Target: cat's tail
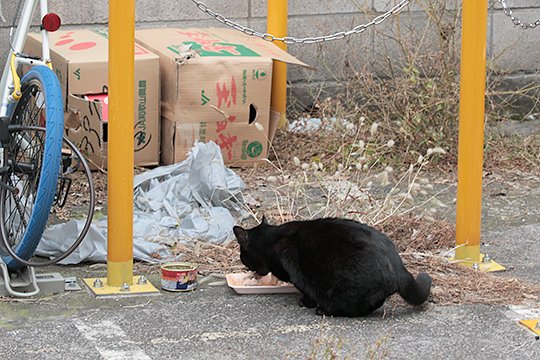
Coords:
pixel 415 291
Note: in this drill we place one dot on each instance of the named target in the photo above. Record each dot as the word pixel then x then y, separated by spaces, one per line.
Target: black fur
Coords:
pixel 342 267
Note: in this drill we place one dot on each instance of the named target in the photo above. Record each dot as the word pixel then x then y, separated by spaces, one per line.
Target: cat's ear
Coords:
pixel 241 235
pixel 263 220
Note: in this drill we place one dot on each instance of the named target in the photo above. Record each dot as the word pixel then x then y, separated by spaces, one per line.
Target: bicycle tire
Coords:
pixel 81 161
pixel 38 78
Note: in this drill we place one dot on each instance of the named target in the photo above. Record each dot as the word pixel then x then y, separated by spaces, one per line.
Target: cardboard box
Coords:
pixel 215 86
pixel 80 60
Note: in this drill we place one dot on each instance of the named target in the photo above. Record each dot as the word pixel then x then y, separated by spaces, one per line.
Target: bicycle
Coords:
pixel 35 158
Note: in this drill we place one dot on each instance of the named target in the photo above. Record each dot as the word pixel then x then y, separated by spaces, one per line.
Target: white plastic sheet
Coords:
pixel 306 125
pixel 198 198
pixel 58 238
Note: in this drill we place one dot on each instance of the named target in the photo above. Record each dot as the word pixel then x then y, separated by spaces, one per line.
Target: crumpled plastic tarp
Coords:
pixel 58 238
pixel 198 198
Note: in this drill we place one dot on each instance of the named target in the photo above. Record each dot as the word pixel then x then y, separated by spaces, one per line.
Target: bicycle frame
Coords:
pixel 10 90
pixel 30 185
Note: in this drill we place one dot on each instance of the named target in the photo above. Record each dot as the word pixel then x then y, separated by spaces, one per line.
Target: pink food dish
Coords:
pixel 251 283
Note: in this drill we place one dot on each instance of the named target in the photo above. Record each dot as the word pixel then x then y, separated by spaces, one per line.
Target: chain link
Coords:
pixel 307 40
pixel 517 21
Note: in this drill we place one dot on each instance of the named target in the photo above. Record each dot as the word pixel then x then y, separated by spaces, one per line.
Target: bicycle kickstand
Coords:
pixel 22 283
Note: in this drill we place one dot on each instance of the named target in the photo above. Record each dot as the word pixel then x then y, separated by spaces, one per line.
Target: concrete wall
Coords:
pixel 510 49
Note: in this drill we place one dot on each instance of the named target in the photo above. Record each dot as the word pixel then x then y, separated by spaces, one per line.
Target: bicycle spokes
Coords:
pixel 20 178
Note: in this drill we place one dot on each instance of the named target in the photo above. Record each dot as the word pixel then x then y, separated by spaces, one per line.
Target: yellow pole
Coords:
pixel 277 25
pixel 120 163
pixel 471 129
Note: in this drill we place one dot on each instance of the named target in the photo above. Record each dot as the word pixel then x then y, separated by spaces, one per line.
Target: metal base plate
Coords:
pixel 484 265
pixel 532 324
pixel 106 291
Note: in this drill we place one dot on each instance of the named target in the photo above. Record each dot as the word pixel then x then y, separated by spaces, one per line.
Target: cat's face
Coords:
pixel 251 248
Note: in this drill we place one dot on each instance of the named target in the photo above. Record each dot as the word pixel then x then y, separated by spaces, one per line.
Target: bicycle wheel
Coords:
pixel 32 163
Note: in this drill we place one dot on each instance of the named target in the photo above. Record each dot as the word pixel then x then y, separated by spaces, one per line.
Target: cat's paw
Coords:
pixel 320 311
pixel 307 302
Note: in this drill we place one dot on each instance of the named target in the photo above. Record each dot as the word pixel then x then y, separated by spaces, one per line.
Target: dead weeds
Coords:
pixel 212 258
pixel 411 99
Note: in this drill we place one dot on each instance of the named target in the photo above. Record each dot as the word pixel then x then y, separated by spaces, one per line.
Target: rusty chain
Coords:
pixel 307 40
pixel 341 34
pixel 517 21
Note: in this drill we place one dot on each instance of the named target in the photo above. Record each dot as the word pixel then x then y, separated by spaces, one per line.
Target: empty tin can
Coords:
pixel 178 276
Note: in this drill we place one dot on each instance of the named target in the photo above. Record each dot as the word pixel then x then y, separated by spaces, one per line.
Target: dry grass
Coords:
pixel 79 196
pixel 413 234
pixel 422 246
pixel 212 258
pixel 413 98
pixel 513 152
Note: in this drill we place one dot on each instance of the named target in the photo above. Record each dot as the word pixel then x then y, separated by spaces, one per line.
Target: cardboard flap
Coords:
pixel 87 130
pixel 72 119
pixel 183 44
pixel 266 48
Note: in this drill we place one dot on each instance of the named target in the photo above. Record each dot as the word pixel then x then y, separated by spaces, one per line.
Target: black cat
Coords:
pixel 342 267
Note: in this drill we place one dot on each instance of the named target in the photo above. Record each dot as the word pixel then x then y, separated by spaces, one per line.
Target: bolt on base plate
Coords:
pixel 140 286
pixel 486 264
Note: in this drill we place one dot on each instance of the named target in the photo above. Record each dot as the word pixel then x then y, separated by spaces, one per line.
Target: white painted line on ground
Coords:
pixel 249 332
pixel 110 340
